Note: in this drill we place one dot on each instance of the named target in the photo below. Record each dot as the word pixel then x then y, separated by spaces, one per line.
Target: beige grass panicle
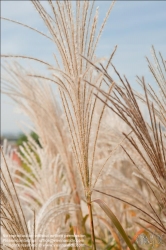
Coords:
pixel 148 139
pixel 75 36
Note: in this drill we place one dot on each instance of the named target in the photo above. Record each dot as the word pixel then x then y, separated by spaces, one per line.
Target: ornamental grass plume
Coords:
pixel 18 231
pixel 147 137
pixel 30 94
pixel 75 35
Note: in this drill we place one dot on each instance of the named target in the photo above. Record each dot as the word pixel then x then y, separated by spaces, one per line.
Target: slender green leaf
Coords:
pixel 115 221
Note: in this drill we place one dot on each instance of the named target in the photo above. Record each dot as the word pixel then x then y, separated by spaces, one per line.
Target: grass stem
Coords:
pixel 91 223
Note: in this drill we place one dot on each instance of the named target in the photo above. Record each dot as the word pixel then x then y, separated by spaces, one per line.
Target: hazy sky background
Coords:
pixel 133 25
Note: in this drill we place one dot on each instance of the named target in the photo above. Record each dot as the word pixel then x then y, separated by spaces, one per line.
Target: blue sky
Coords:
pixel 133 25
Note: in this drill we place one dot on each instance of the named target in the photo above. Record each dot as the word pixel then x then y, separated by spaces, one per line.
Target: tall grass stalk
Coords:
pixel 75 35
